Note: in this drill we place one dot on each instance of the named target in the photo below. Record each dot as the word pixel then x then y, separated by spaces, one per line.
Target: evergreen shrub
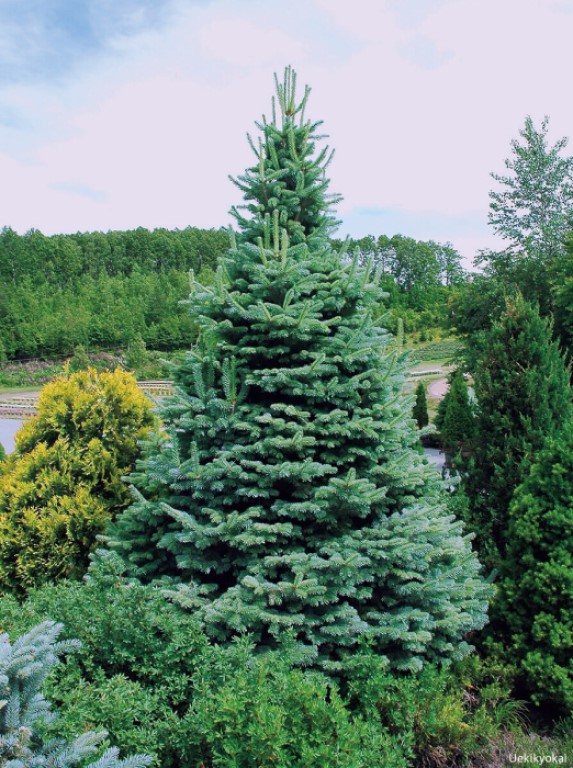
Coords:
pixel 64 480
pixel 535 603
pixel 136 356
pixel 523 397
pixel 80 360
pixel 420 410
pixel 455 417
pixel 259 711
pixel 146 673
pixel 132 675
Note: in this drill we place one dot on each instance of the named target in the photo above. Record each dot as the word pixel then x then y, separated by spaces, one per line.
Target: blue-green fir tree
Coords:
pixel 289 493
pixel 24 711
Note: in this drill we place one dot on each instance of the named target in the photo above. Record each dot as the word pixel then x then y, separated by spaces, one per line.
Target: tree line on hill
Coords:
pixel 104 290
pixel 99 290
pixel 63 259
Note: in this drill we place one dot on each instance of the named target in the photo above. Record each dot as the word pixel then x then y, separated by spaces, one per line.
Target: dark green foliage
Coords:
pixel 106 290
pixel 62 259
pixel 136 356
pixel 443 404
pixel 420 410
pixel 146 674
pixel 99 290
pixel 80 361
pixel 535 603
pixel 419 268
pixel 24 712
pixel 562 289
pixel 523 397
pixel 478 303
pixel 260 712
pixel 455 418
pixel 417 276
pixel 416 266
pixel 132 675
pixel 289 493
pixel 96 312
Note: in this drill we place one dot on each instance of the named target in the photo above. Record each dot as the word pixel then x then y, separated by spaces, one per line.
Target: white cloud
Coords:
pixel 260 46
pixel 419 107
pixel 430 137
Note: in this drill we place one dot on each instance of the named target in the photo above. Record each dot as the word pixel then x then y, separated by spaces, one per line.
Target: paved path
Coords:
pixel 438 388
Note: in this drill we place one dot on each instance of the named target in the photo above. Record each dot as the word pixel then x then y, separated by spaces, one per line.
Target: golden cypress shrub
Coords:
pixel 64 481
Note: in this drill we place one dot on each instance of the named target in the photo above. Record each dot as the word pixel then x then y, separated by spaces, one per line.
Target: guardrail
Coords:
pixel 24 407
pixel 10 411
pixel 434 372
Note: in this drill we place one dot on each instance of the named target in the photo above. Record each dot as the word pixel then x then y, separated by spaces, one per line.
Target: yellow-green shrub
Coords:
pixel 63 482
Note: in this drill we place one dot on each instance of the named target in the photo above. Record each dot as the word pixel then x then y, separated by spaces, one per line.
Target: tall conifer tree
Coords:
pixel 523 397
pixel 290 493
pixel 534 606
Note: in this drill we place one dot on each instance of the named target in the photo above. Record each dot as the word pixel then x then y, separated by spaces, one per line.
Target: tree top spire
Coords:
pixel 290 173
pixel 286 95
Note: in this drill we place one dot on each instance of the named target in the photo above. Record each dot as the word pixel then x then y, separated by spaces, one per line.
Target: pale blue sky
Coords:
pixel 125 113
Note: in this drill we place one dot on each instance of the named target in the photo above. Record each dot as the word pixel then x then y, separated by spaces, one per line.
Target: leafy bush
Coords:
pixel 63 482
pixel 255 712
pixel 24 667
pixel 132 674
pixel 146 673
pixel 455 716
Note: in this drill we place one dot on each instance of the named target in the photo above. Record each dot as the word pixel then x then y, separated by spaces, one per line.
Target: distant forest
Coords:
pixel 100 290
pixel 104 290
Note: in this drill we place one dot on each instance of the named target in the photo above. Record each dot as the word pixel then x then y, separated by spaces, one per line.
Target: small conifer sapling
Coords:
pixel 420 410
